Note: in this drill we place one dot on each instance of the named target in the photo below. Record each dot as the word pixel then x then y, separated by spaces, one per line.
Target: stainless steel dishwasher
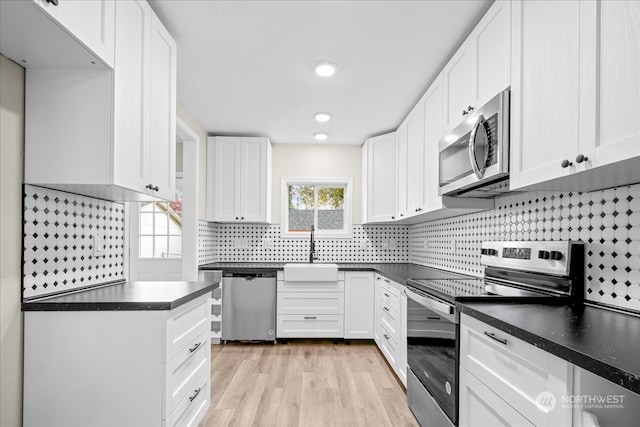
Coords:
pixel 248 306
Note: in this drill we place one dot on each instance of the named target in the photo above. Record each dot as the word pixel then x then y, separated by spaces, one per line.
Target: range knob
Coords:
pixel 489 252
pixel 544 254
pixel 556 255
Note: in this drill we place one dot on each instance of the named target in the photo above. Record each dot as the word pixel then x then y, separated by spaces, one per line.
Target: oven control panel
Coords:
pixel 550 257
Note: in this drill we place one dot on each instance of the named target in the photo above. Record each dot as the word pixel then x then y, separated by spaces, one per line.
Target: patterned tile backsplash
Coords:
pixel 208 235
pixel 262 243
pixel 58 236
pixel 608 221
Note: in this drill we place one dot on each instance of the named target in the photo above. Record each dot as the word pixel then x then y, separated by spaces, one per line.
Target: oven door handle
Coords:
pixel 431 303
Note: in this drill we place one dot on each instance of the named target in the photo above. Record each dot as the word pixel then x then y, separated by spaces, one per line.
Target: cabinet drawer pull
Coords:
pixel 387 280
pixel 195 347
pixel 197 392
pixel 386 308
pixel 310 317
pixel 386 336
pixel 494 337
pixel 386 295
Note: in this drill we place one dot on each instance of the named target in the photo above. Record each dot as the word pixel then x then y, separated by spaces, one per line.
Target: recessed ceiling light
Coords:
pixel 320 136
pixel 324 68
pixel 322 117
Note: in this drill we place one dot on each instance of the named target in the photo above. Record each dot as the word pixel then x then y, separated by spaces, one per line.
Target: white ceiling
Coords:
pixel 244 67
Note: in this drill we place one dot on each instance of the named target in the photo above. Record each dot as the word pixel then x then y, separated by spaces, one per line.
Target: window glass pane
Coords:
pixel 175 247
pixel 160 224
pixel 146 246
pixel 331 208
pixel 160 250
pixel 146 223
pixel 301 207
pixel 175 225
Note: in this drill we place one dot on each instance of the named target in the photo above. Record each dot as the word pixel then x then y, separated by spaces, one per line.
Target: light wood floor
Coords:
pixel 304 383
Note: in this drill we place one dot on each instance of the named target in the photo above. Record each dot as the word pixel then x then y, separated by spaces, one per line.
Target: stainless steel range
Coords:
pixel 546 272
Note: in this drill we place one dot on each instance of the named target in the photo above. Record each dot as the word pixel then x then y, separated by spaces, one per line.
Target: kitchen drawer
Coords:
pixel 310 326
pixel 311 286
pixel 184 369
pixel 390 320
pixel 515 370
pixel 310 303
pixel 479 406
pixel 389 294
pixel 186 323
pixel 194 405
pixel 389 346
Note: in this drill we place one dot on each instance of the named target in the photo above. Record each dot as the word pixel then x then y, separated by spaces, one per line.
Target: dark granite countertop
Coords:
pixel 398 272
pixel 599 340
pixel 125 296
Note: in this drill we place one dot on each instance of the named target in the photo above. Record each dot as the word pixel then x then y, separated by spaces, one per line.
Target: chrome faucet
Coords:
pixel 312 248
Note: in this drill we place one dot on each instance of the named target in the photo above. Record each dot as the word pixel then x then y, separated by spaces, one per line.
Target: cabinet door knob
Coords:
pixel 469 109
pixel 465 112
pixel 581 158
pixel 241 218
pixel 401 214
pixel 53 2
pixel 566 163
pixel 156 188
pixel 149 186
pixel 393 217
pixel 236 218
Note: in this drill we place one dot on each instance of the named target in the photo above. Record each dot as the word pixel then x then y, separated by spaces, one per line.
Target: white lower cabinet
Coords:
pixel 481 407
pixel 359 294
pixel 120 368
pixel 310 326
pixel 506 381
pixel 310 309
pixel 390 327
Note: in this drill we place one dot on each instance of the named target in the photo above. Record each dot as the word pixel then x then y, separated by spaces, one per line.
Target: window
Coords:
pixel 161 229
pixel 323 203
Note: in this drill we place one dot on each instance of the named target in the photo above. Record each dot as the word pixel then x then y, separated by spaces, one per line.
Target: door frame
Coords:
pixel 190 193
pixel 190 205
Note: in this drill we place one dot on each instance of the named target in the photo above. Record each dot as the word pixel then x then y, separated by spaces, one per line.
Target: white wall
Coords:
pixel 317 161
pixel 11 173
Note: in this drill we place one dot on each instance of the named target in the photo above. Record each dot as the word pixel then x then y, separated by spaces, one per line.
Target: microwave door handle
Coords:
pixel 472 148
pixel 430 303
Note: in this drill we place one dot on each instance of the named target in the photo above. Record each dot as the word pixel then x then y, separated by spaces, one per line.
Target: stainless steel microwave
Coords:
pixel 474 156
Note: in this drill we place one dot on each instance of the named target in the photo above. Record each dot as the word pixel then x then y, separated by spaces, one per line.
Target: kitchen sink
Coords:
pixel 320 272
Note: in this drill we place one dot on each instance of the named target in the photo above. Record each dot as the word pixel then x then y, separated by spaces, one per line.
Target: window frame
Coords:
pixel 347 230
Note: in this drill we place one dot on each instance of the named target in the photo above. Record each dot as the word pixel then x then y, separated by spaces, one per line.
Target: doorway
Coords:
pixel 163 235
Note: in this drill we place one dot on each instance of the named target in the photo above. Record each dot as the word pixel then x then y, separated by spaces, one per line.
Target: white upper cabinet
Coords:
pixel 381 178
pixel 108 133
pixel 545 90
pixel 402 183
pixel 575 95
pixel 433 118
pixel 414 165
pixel 162 113
pixel 71 34
pixel 480 68
pixel 239 179
pixel 92 23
